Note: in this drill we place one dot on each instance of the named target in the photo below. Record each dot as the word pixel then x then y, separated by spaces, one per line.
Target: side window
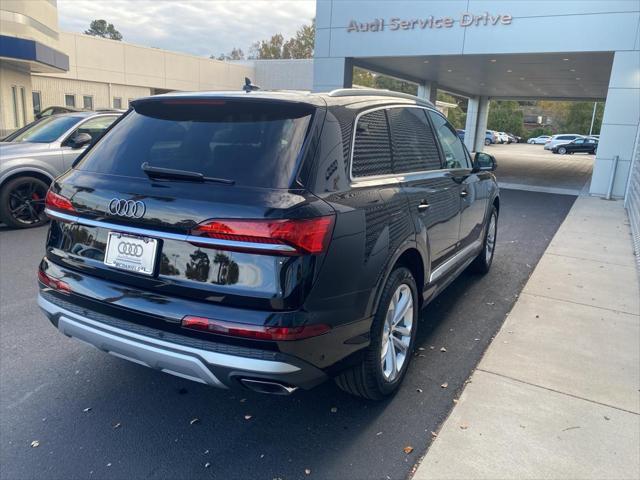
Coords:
pixel 414 146
pixel 454 154
pixel 372 148
pixel 580 141
pixel 96 126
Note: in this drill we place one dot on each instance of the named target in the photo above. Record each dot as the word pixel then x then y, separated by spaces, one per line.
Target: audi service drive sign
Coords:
pixel 131 253
pixel 396 24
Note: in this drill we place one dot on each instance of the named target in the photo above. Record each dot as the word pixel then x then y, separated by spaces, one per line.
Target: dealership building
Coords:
pixel 478 49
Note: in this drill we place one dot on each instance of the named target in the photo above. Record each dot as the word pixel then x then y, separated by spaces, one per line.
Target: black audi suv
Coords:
pixel 267 240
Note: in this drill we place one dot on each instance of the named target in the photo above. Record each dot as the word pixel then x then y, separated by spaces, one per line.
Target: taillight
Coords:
pixel 307 235
pixel 56 201
pixel 53 283
pixel 256 332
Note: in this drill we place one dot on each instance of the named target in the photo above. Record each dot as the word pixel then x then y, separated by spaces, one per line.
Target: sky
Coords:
pixel 198 27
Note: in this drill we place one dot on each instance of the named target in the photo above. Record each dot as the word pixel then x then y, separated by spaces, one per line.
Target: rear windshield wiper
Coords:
pixel 173 174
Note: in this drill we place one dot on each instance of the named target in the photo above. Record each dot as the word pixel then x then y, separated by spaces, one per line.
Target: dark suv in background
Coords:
pixel 271 240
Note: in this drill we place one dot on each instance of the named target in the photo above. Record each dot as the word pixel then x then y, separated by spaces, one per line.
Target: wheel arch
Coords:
pixel 410 257
pixel 27 172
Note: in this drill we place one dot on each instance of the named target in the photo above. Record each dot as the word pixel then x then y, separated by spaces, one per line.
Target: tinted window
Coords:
pixel 47 130
pixel 579 141
pixel 372 149
pixel 454 153
pixel 253 143
pixel 414 146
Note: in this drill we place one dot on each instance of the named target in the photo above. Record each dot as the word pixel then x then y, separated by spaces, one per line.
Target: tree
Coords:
pixel 100 28
pixel 234 54
pixel 506 116
pixel 298 46
pixel 457 116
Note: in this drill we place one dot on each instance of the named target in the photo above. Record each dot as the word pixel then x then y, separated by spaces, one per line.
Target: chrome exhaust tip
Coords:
pixel 265 386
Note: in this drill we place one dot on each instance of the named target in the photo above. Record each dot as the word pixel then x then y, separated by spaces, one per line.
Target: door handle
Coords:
pixel 423 206
pixel 464 193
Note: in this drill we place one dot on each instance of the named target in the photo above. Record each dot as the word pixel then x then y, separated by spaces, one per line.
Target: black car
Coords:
pixel 268 239
pixel 579 145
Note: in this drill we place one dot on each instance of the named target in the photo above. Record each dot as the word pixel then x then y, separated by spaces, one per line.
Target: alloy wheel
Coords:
pixel 26 203
pixel 490 244
pixel 396 334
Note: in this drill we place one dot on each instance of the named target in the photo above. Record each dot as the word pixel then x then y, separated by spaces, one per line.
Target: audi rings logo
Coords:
pixel 127 208
pixel 130 249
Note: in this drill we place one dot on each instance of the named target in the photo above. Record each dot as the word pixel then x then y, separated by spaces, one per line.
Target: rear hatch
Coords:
pixel 197 198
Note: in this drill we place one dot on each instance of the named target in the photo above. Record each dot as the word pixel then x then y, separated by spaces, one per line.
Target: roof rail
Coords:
pixel 363 92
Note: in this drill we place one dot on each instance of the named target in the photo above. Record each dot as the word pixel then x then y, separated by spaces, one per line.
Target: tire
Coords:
pixel 482 263
pixel 375 378
pixel 562 150
pixel 487 142
pixel 22 202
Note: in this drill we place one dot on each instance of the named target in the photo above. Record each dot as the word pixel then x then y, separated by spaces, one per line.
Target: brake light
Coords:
pixel 307 235
pixel 53 283
pixel 56 201
pixel 255 332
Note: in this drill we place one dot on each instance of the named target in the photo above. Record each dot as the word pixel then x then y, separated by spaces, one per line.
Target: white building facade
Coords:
pixel 488 49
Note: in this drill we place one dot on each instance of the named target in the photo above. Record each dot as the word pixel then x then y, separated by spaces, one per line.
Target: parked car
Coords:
pixel 490 137
pixel 541 140
pixel 503 137
pixel 56 110
pixel 235 253
pixel 579 145
pixel 514 138
pixel 560 139
pixel 34 155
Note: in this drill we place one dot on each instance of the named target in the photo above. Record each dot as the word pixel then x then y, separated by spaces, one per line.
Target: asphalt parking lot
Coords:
pixel 96 416
pixel 531 166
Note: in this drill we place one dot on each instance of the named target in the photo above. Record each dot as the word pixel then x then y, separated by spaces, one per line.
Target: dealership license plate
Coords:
pixel 131 253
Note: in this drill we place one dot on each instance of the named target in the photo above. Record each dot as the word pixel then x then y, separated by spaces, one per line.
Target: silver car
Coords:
pixel 561 140
pixel 33 156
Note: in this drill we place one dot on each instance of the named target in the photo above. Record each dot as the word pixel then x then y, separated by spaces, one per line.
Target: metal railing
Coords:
pixel 632 200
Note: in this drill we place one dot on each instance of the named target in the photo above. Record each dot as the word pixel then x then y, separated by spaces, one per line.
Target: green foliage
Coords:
pixel 234 54
pixel 505 116
pixel 366 78
pixel 100 28
pixel 298 46
pixel 573 117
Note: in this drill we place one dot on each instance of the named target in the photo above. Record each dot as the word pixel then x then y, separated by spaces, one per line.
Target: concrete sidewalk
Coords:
pixel 557 394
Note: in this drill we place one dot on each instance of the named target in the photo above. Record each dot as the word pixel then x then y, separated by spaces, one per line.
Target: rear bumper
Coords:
pixel 201 365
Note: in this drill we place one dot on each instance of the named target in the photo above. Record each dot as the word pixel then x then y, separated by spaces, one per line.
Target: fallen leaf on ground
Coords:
pixel 35 444
pixel 307 471
pixel 606 418
pixel 88 409
pixel 455 400
pixel 443 349
pixel 242 400
pixel 378 434
pixel 491 303
pixel 408 449
pixel 247 417
pixel 207 465
pixel 419 390
pixel 434 434
pixel 334 409
pixel 116 425
pixel 444 385
pixel 194 421
pixel 464 426
pixel 421 349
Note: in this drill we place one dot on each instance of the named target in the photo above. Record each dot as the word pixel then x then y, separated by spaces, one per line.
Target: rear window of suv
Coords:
pixel 251 142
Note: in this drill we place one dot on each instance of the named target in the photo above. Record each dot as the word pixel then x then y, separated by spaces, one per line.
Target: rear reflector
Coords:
pixel 306 235
pixel 256 332
pixel 53 283
pixel 55 201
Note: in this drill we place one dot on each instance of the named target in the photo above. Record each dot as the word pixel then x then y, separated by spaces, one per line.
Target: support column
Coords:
pixel 620 125
pixel 428 91
pixel 331 73
pixel 481 124
pixel 470 128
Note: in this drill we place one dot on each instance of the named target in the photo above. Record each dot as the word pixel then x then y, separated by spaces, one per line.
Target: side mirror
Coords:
pixel 483 162
pixel 79 140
